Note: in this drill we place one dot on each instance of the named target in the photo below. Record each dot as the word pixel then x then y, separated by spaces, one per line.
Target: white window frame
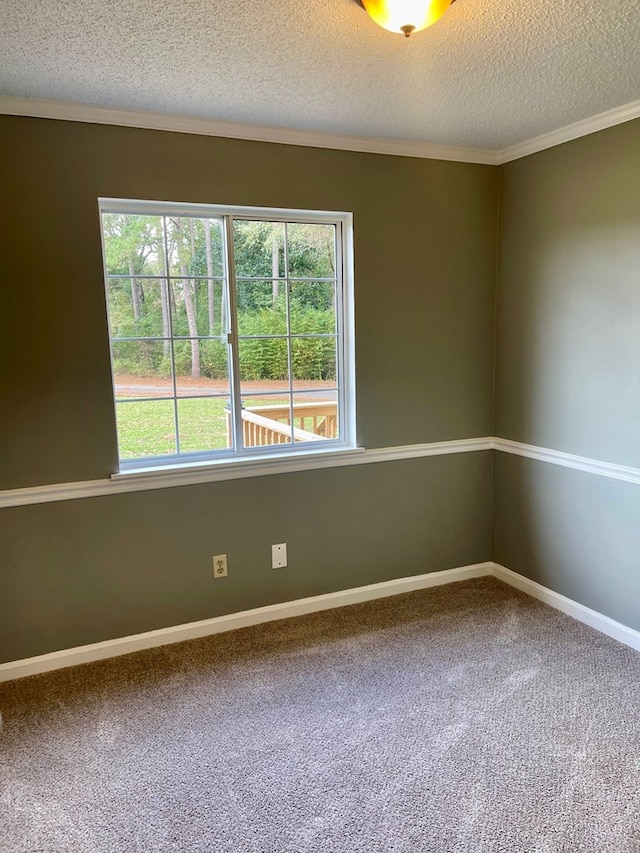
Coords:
pixel 345 322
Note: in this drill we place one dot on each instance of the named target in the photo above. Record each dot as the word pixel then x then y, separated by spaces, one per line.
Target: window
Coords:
pixel 231 331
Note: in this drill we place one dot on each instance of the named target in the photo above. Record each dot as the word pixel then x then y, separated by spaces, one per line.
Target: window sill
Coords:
pixel 234 468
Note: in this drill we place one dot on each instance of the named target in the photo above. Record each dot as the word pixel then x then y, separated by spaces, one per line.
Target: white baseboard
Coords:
pixel 356 595
pixel 219 624
pixel 590 617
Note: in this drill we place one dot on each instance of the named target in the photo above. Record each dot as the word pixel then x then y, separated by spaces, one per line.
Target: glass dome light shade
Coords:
pixel 406 16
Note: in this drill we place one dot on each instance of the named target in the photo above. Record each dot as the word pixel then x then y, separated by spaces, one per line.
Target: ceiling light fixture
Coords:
pixel 405 16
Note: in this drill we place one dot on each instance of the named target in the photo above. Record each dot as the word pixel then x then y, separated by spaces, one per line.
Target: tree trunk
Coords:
pixel 210 283
pixel 189 306
pixel 193 329
pixel 275 268
pixel 223 306
pixel 135 295
pixel 164 298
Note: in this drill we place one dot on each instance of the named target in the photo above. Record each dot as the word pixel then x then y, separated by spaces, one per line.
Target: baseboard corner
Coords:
pixel 616 630
pixel 299 607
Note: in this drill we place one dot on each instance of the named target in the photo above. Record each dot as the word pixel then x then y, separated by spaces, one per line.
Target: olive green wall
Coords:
pixel 568 367
pixel 86 570
pixel 573 532
pixel 424 255
pixel 567 377
pixel 568 342
pixel 83 571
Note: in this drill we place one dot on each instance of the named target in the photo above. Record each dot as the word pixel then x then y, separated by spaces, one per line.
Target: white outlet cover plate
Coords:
pixel 220 571
pixel 279 556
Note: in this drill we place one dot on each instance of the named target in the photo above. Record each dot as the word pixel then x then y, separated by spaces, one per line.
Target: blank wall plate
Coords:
pixel 279 556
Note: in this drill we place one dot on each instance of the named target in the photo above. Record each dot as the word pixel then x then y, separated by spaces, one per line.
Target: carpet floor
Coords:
pixel 463 718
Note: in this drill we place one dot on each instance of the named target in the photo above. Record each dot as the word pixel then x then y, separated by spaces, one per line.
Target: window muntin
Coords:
pixel 227 325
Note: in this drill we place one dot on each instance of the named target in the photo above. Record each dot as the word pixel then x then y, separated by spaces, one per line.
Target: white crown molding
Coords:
pixel 233 621
pixel 188 475
pixel 616 630
pixel 610 118
pixel 569 460
pixel 66 111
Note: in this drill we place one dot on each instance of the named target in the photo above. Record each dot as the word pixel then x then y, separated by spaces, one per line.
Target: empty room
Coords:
pixel 320 426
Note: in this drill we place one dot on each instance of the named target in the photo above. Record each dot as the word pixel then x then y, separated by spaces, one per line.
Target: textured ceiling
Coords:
pixel 487 75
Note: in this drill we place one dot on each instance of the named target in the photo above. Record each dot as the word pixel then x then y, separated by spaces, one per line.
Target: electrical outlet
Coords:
pixel 220 566
pixel 279 556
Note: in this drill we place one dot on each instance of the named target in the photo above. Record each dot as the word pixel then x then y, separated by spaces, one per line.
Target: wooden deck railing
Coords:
pixel 268 425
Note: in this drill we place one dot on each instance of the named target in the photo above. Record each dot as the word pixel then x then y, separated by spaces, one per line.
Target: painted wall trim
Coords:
pixel 616 630
pixel 286 610
pixel 219 624
pixel 601 121
pixel 165 478
pixel 67 111
pixel 160 478
pixel 569 460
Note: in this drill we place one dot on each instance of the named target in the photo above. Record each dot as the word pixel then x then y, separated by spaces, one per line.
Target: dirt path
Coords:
pixel 151 386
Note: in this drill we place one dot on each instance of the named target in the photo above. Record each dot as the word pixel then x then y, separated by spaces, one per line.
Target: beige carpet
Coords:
pixel 463 718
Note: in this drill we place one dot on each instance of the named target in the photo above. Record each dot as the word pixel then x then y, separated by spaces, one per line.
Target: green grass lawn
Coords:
pixel 147 428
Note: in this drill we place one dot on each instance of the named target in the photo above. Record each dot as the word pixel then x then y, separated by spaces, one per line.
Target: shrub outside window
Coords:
pixel 231 331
